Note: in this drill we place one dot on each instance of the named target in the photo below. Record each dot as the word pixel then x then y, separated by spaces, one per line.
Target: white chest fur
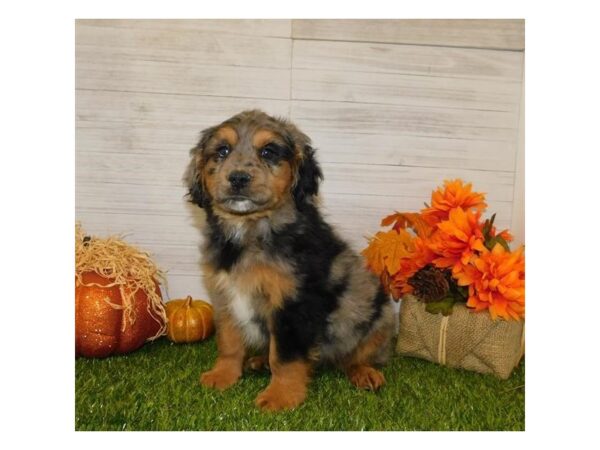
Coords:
pixel 249 321
pixel 244 311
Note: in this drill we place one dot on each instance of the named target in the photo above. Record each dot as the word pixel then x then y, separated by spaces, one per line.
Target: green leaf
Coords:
pixel 443 306
pixel 463 291
pixel 487 226
pixel 503 243
pixel 460 293
pixel 486 229
pixel 490 243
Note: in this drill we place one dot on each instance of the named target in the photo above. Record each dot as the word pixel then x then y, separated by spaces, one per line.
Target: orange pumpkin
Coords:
pixel 189 320
pixel 100 329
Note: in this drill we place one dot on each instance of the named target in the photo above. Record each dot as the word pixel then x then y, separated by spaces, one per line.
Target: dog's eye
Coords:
pixel 269 152
pixel 222 151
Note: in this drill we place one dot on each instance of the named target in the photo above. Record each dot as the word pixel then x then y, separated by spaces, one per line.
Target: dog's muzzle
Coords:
pixel 239 180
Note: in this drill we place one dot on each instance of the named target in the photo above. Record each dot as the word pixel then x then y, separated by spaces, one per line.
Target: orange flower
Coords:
pixel 454 195
pixel 496 282
pixel 457 240
pixel 422 254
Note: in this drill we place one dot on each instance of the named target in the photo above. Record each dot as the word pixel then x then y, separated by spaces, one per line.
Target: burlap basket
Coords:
pixel 464 339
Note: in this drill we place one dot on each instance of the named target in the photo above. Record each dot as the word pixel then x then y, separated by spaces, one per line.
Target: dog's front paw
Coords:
pixel 219 378
pixel 366 377
pixel 277 398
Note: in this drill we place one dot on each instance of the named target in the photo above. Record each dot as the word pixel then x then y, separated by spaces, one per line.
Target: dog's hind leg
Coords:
pixel 359 366
pixel 257 363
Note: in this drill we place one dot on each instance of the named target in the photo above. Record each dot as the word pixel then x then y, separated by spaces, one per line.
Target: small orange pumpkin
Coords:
pixel 189 320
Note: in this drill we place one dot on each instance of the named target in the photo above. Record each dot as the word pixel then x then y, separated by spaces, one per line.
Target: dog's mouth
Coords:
pixel 241 204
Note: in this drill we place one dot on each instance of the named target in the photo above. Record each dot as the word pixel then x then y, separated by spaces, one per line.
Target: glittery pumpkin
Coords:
pixel 101 328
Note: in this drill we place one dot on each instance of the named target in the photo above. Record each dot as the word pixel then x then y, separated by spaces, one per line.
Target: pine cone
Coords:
pixel 430 284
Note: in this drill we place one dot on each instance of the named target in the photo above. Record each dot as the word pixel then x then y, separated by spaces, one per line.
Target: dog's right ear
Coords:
pixel 193 174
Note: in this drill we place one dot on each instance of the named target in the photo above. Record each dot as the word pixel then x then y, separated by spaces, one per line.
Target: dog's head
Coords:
pixel 252 163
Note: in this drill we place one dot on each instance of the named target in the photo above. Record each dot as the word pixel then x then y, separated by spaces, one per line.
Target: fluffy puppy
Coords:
pixel 282 283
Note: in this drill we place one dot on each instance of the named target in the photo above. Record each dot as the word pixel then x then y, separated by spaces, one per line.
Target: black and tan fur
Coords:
pixel 283 284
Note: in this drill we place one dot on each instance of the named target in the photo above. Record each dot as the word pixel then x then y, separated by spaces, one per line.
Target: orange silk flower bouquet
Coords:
pixel 446 254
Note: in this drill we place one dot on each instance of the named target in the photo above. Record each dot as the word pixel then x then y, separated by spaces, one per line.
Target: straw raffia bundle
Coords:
pixel 118 304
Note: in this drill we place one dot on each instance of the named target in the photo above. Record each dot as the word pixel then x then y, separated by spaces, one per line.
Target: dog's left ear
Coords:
pixel 193 180
pixel 193 177
pixel 308 177
pixel 307 174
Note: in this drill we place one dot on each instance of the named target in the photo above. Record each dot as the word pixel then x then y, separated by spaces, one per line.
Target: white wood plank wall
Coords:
pixel 394 107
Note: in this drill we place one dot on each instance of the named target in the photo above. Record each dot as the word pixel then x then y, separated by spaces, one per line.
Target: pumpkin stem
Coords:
pixel 188 300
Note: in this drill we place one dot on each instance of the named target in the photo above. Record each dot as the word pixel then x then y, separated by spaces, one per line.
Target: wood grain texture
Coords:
pixel 402 120
pixel 108 109
pixel 181 60
pixel 181 44
pixel 518 212
pixel 483 33
pixel 393 109
pixel 131 75
pixel 412 150
pixel 408 60
pixel 173 27
pixel 406 90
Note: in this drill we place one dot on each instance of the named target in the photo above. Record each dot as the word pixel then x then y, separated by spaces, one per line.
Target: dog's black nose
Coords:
pixel 239 179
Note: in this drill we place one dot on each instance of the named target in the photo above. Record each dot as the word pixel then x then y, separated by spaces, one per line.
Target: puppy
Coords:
pixel 282 283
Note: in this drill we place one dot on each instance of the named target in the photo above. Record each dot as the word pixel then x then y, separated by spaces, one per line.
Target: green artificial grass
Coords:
pixel 156 388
